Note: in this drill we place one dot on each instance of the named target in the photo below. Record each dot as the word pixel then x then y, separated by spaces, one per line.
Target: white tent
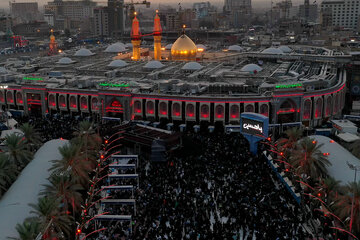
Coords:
pixel 11 123
pixel 9 132
pixel 338 156
pixel 14 206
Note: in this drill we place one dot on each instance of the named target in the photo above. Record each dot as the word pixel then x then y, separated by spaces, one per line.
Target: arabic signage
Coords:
pixel 284 86
pixel 33 78
pixel 106 84
pixel 253 127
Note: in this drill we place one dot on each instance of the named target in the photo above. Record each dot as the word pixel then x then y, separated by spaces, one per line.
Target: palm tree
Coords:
pixel 73 162
pixel 32 137
pixel 287 144
pixel 64 189
pixel 28 230
pixel 87 137
pixel 17 150
pixel 8 173
pixel 52 220
pixel 344 204
pixel 331 187
pixel 309 160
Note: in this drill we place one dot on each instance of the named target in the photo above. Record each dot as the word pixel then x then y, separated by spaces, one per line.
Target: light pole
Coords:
pixel 355 168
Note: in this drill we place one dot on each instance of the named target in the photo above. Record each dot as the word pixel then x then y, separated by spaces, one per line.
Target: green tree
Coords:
pixel 63 188
pixel 308 159
pixel 28 230
pixel 32 137
pixel 344 204
pixel 17 150
pixel 89 141
pixel 74 163
pixel 8 173
pixel 286 145
pixel 54 223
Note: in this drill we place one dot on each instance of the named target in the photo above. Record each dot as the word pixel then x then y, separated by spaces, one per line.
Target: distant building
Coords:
pixel 5 23
pixel 101 21
pixel 24 11
pixel 344 13
pixel 172 21
pixel 312 14
pixel 203 9
pixel 116 17
pixel 239 11
pixel 69 14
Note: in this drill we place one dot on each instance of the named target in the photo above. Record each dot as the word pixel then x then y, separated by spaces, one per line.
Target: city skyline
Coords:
pixel 255 3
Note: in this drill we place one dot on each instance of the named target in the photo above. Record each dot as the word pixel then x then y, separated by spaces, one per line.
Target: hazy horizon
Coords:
pixel 4 4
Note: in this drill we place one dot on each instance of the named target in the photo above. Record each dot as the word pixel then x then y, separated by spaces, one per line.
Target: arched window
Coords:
pixel 264 109
pixel 190 110
pixel 234 111
pixel 219 111
pixel 249 108
pixel 94 104
pixel 73 101
pixel 9 97
pixel 52 102
pixel 307 109
pixel 205 111
pixel 62 101
pixel 150 107
pixel 176 108
pixel 163 108
pixel 19 98
pixel 328 106
pixel 1 96
pixel 319 108
pixel 137 106
pixel 83 103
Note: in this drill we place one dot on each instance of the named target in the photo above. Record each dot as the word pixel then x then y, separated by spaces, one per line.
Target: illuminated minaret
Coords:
pixel 135 38
pixel 52 44
pixel 157 37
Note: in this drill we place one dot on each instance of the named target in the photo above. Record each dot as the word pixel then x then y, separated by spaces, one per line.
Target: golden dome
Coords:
pixel 183 49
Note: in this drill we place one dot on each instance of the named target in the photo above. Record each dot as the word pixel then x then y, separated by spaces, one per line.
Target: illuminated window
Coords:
pixel 62 101
pixel 176 109
pixel 234 111
pixel 319 107
pixel 150 107
pixel 163 108
pixel 52 100
pixel 307 109
pixel 137 107
pixel 205 111
pixel 264 109
pixel 94 104
pixel 190 110
pixel 219 111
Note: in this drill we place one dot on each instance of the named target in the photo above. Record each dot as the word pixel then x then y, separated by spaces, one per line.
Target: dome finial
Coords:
pixel 183 29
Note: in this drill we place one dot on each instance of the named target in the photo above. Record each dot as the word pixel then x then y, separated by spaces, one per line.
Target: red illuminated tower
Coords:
pixel 157 37
pixel 52 44
pixel 135 38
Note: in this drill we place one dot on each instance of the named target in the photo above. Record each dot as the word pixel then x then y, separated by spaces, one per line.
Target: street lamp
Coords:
pixel 355 168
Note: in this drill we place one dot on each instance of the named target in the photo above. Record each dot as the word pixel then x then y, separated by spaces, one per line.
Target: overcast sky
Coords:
pixel 255 3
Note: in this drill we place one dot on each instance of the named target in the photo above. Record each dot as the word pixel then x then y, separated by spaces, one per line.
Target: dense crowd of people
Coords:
pixel 211 188
pixel 53 126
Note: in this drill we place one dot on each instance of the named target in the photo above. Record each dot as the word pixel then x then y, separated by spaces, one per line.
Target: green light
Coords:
pixel 33 79
pixel 295 85
pixel 105 84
